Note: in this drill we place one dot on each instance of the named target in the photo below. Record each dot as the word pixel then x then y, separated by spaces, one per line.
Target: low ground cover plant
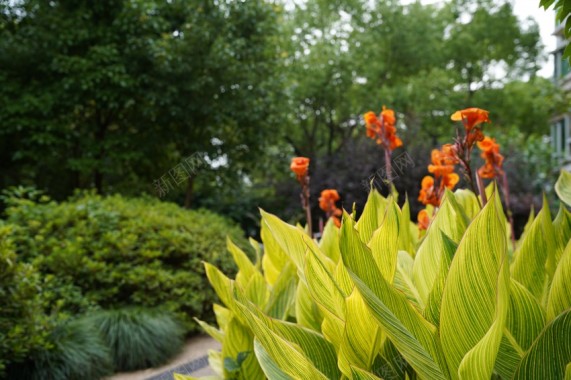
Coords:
pixel 453 296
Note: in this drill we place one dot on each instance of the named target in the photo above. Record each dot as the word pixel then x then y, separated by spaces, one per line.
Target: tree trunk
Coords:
pixel 189 192
pixel 100 139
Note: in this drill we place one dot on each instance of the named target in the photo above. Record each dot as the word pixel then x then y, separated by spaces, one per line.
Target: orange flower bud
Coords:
pixel 299 166
pixel 423 220
pixel 327 200
pixel 471 117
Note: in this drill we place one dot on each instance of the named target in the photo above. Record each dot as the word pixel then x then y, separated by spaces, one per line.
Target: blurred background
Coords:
pixel 113 95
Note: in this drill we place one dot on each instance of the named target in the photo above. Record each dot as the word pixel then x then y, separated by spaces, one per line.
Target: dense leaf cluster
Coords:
pixel 110 252
pixel 371 300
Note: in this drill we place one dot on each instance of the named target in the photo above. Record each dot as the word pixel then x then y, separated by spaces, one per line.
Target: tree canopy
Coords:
pixel 114 94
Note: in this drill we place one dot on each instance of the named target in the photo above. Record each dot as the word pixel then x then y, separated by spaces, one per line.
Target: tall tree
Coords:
pixel 114 93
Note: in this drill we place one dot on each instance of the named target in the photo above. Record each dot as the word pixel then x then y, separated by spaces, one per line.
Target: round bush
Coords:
pixel 119 252
pixel 77 353
pixel 23 325
pixel 138 338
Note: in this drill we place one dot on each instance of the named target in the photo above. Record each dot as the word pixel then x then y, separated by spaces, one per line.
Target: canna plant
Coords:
pixel 369 301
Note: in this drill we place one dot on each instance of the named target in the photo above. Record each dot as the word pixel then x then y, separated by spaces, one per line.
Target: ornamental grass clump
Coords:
pixel 370 300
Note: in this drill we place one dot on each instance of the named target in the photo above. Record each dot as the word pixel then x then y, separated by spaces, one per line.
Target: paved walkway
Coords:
pixel 193 360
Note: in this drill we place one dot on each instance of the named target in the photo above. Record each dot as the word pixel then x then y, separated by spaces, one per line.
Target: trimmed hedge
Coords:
pixel 23 326
pixel 113 252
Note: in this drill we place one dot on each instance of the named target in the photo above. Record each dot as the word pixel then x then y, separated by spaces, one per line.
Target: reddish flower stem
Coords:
pixel 305 203
pixel 386 145
pixel 388 166
pixel 482 190
pixel 506 191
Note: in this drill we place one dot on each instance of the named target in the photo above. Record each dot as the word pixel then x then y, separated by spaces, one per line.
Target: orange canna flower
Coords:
pixel 371 118
pixel 382 128
pixel 493 159
pixel 450 180
pixel 388 116
pixel 427 194
pixel 327 203
pixel 489 144
pixel 299 166
pixel 471 117
pixel 423 220
pixel 395 142
pixel 327 200
pixel 442 166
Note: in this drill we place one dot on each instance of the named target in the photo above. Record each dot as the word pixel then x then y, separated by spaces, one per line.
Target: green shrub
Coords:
pixel 138 338
pixel 23 326
pixel 114 252
pixel 77 353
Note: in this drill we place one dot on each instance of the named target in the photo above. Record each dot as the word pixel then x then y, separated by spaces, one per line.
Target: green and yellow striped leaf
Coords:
pixel 407 240
pixel 291 347
pixel 525 321
pixel 372 215
pixel 221 284
pixel 450 220
pixel 222 315
pixel 403 279
pixel 245 267
pixel 361 374
pixel 306 310
pixel 434 301
pixel 562 226
pixel 329 243
pixel 361 338
pixel 282 295
pixel 238 339
pixel 414 337
pixel 468 201
pixel 550 354
pixel 258 251
pixel 256 289
pixel 534 261
pixel 286 355
pixel 269 366
pixel 274 258
pixel 475 300
pixel 211 330
pixel 560 293
pixel 385 241
pixel 293 241
pixel 563 187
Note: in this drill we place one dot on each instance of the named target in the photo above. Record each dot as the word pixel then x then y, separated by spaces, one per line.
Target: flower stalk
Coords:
pixel 300 166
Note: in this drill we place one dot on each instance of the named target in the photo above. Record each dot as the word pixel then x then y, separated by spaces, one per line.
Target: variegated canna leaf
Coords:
pixel 534 261
pixel 245 267
pixel 385 241
pixel 361 338
pixel 560 292
pixel 329 243
pixel 562 226
pixel 563 187
pixel 450 220
pixel 476 297
pixel 550 354
pixel 526 319
pixel 414 337
pixel 372 215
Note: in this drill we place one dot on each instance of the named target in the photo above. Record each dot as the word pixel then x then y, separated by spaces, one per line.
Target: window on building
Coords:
pixel 562 67
pixel 561 139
